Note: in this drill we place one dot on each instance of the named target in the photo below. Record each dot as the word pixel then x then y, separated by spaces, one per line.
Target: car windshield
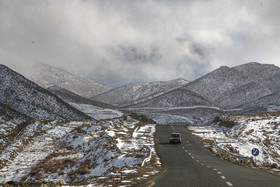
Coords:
pixel 175 135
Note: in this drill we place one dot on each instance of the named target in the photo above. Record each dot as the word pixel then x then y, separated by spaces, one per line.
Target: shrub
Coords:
pixel 267 142
pixel 224 123
pixel 250 131
pixel 274 166
pixel 153 159
pixel 71 173
pixel 83 171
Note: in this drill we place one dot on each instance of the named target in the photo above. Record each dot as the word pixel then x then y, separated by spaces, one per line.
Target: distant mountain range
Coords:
pixel 247 88
pixel 47 76
pixel 71 97
pixel 137 92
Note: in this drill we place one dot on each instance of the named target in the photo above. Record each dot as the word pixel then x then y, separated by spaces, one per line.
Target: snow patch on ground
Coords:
pixel 246 134
pixel 76 151
pixel 97 112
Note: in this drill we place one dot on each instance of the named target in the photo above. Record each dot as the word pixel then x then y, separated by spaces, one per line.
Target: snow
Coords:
pixel 165 119
pixel 30 100
pixel 43 146
pixel 97 112
pixel 248 133
pixel 59 131
pixel 137 92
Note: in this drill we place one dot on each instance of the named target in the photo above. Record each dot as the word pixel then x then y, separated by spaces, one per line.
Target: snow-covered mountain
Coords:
pixel 47 76
pixel 242 94
pixel 27 98
pixel 138 92
pixel 267 103
pixel 265 74
pixel 10 113
pixel 231 87
pixel 180 97
pixel 216 83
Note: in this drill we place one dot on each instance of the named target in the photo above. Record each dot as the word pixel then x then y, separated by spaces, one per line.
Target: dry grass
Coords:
pixel 231 149
pixel 261 114
pixel 267 142
pixel 224 123
pixel 250 131
pixel 153 159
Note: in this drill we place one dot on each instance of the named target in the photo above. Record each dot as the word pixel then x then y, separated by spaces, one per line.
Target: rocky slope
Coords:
pixel 180 97
pixel 265 74
pixel 107 152
pixel 237 135
pixel 217 82
pixel 29 99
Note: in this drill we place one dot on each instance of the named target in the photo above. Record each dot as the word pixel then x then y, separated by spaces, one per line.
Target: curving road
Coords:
pixel 189 164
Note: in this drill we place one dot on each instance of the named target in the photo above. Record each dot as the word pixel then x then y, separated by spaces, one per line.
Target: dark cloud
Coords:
pixel 119 41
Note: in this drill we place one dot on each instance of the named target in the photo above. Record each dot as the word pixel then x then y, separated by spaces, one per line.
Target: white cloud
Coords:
pixel 121 41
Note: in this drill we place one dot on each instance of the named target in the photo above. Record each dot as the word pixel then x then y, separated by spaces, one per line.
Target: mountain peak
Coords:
pixel 258 70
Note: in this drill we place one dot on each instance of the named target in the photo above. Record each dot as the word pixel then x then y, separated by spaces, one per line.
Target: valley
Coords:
pixel 56 127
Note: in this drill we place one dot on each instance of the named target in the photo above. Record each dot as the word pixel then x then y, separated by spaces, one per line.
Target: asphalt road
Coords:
pixel 189 164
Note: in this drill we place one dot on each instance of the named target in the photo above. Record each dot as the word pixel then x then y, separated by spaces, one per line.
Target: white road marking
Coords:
pixel 228 183
pixel 189 153
pixel 219 173
pixel 192 157
pixel 202 164
pixel 172 128
pixel 223 177
pixel 214 169
pixel 197 161
pixel 208 166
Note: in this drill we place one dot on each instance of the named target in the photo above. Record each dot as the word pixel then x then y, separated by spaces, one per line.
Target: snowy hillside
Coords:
pixel 71 97
pixel 29 99
pixel 267 103
pixel 239 134
pixel 231 87
pixel 137 92
pixel 94 109
pixel 242 94
pixel 216 83
pixel 234 90
pixel 47 76
pixel 180 105
pixel 265 74
pixel 177 98
pixel 92 152
pixel 10 113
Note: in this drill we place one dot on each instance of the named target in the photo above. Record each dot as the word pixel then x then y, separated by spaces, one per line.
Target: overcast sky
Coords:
pixel 119 41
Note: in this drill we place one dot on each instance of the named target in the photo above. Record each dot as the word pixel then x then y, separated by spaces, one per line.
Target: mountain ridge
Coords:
pixel 135 92
pixel 46 76
pixel 28 98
